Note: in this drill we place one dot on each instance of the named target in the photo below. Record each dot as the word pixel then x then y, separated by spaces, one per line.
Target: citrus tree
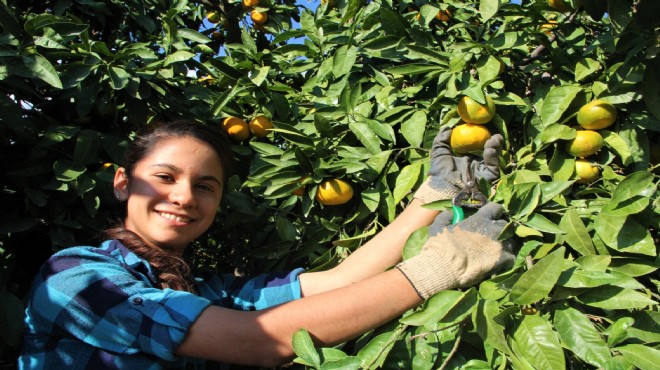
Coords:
pixel 332 110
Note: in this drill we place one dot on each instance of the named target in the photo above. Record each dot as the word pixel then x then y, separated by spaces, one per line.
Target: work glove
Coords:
pixel 448 173
pixel 459 255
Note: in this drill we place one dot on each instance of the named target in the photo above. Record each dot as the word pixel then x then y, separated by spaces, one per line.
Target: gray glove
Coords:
pixel 459 255
pixel 448 173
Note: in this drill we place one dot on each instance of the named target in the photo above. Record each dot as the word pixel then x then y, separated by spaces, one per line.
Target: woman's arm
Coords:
pixel 263 338
pixel 378 254
pixel 457 255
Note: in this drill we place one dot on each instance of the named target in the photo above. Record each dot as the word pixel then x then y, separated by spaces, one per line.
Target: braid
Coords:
pixel 171 271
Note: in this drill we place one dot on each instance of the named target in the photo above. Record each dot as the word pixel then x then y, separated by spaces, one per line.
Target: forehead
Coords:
pixel 184 152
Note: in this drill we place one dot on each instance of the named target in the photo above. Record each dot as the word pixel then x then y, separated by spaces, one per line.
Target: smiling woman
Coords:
pixel 133 302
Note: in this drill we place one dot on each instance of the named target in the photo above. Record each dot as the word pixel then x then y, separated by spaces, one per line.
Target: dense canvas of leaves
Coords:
pixel 357 90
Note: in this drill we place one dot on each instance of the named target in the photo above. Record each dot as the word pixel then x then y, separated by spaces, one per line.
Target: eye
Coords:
pixel 164 177
pixel 205 187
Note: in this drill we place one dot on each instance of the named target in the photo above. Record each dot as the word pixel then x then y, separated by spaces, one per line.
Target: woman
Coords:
pixel 131 303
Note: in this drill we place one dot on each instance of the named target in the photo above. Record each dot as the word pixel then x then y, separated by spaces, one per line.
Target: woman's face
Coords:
pixel 173 194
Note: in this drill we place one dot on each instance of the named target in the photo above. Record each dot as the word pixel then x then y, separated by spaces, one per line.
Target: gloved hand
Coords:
pixel 448 173
pixel 459 255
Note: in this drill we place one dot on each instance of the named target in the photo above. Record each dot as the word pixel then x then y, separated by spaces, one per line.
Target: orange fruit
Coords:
pixel 443 15
pixel 236 128
pixel 258 18
pixel 596 115
pixel 260 126
pixel 213 17
pixel 585 143
pixel 474 112
pixel 585 171
pixel 560 5
pixel 334 192
pixel 468 137
pixel 548 28
pixel 250 3
pixel 299 191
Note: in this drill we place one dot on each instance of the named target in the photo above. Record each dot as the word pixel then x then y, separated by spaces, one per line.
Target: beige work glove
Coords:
pixel 448 173
pixel 459 255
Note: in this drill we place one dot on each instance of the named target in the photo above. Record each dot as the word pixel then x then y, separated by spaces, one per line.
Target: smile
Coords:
pixel 175 218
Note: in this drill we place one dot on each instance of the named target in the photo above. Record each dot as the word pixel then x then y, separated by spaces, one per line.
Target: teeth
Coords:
pixel 176 218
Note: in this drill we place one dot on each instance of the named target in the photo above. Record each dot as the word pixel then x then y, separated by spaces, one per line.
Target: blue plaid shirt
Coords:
pixel 99 308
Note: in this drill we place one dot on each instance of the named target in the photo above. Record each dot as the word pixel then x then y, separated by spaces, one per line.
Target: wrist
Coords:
pixel 435 188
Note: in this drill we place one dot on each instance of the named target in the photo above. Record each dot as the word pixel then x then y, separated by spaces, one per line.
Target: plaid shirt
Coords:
pixel 99 308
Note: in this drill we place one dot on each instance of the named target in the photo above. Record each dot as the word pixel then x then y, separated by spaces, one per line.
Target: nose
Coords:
pixel 182 194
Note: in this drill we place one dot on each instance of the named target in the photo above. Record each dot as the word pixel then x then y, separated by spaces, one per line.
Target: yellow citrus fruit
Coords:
pixel 586 172
pixel 548 28
pixel 260 126
pixel 560 5
pixel 585 143
pixel 236 128
pixel 596 115
pixel 334 192
pixel 473 112
pixel 443 15
pixel 213 17
pixel 250 3
pixel 258 17
pixel 468 137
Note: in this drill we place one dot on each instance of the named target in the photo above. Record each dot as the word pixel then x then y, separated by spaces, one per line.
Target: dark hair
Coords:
pixel 172 271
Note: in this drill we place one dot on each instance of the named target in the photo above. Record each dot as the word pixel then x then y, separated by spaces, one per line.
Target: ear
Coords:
pixel 120 184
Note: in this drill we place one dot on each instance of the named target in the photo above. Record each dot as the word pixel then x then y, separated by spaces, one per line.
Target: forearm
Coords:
pixel 378 254
pixel 264 337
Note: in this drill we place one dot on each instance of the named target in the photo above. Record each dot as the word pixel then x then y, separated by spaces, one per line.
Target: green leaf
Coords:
pixel 524 200
pixel 581 337
pixel 537 343
pixel 178 56
pixel 119 78
pixel 615 298
pixel 541 223
pixel 490 326
pixel 618 145
pixel 303 346
pixel 536 283
pixel 585 67
pixel 556 102
pixel 624 234
pixel 488 8
pixel 374 353
pixel 412 128
pixel 41 68
pixel 396 25
pixel 193 35
pixel 642 356
pixel 406 180
pixel 366 136
pixel 415 242
pixel 576 235
pixel 66 170
pixel 344 59
pixel 435 308
pixel 631 195
pixel 554 132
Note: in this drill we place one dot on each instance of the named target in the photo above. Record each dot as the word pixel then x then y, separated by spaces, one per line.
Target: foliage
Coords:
pixel 357 90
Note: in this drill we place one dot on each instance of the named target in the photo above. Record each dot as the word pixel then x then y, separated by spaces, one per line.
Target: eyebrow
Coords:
pixel 177 170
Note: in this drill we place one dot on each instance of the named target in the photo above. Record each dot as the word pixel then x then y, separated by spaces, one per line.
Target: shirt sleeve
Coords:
pixel 256 293
pixel 97 300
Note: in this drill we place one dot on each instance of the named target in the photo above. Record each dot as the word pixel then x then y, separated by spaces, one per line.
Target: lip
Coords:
pixel 175 218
